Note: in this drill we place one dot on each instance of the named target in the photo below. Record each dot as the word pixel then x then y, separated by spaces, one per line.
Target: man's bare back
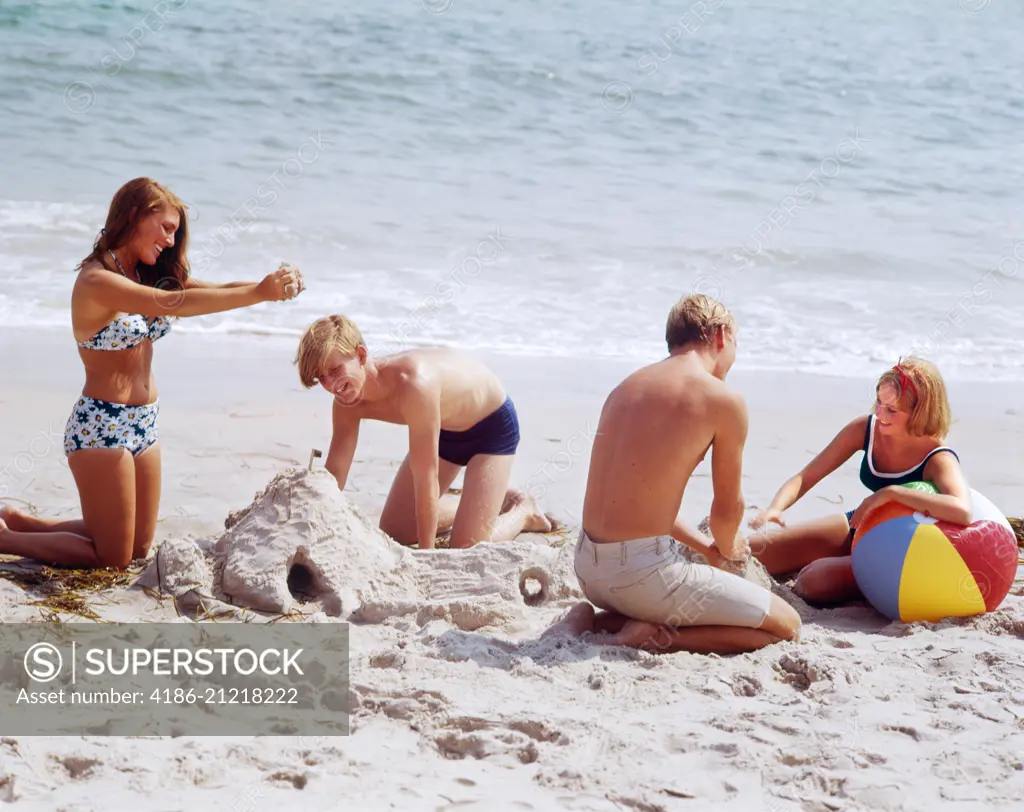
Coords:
pixel 655 428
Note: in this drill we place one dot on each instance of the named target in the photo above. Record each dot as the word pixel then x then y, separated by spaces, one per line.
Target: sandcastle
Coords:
pixel 302 545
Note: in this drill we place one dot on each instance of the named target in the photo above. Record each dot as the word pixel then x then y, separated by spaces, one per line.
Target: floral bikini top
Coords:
pixel 128 329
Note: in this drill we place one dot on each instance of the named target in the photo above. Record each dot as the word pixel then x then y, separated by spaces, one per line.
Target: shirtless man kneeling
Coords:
pixel 655 427
pixel 458 416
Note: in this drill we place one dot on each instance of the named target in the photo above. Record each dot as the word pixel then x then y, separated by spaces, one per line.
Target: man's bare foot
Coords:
pixel 638 634
pixel 575 622
pixel 609 628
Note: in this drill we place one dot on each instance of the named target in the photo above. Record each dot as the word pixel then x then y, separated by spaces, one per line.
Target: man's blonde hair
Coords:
pixel 930 415
pixel 696 318
pixel 321 337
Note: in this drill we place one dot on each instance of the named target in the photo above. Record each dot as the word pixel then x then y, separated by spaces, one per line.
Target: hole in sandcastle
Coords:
pixel 533 585
pixel 300 583
pixel 306 585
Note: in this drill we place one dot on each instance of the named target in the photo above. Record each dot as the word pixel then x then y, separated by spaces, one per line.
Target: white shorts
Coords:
pixel 651 580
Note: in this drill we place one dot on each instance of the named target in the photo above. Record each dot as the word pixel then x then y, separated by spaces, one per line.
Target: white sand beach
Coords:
pixel 458 702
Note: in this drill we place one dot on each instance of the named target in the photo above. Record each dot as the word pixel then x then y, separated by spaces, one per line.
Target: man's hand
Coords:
pixel 716 559
pixel 742 552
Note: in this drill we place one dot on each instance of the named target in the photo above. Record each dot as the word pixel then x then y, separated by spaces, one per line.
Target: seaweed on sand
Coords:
pixel 1018 531
pixel 67 590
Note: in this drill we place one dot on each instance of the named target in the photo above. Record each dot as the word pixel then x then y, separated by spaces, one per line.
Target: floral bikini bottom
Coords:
pixel 101 424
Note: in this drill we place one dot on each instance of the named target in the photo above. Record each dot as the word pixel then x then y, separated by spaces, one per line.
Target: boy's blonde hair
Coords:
pixel 930 415
pixel 696 318
pixel 321 337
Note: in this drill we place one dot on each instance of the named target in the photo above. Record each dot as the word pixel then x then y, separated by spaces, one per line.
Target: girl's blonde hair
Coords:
pixel 321 337
pixel 922 392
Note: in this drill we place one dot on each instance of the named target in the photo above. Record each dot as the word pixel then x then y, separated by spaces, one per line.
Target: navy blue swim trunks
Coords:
pixel 498 433
pixel 853 530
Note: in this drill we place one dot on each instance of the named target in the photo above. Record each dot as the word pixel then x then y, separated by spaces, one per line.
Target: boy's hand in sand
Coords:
pixel 765 516
pixel 284 283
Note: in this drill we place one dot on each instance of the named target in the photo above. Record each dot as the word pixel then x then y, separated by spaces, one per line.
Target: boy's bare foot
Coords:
pixel 535 521
pixel 512 498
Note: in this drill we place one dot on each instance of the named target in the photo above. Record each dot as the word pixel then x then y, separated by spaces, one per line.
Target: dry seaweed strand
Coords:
pixel 294 614
pixel 1018 530
pixel 67 590
pixel 68 605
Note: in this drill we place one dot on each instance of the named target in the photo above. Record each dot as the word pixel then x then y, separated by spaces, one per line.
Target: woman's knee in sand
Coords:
pixel 825 580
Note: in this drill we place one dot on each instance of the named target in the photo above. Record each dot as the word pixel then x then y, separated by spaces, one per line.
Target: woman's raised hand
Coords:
pixel 284 283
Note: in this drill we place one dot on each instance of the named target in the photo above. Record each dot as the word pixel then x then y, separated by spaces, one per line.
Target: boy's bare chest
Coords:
pixel 385 412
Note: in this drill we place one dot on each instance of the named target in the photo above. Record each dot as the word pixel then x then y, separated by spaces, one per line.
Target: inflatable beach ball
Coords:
pixel 913 567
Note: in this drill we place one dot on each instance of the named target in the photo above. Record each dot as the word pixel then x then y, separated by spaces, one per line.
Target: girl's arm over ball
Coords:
pixel 951 504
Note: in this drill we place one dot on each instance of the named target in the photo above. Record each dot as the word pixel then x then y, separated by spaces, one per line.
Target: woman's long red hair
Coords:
pixel 134 201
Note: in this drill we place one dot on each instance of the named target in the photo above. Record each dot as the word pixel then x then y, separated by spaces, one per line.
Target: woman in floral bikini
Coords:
pixel 128 288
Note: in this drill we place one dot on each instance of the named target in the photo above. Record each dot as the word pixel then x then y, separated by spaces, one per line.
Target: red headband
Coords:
pixel 905 380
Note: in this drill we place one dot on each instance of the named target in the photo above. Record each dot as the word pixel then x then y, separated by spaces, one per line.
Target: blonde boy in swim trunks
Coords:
pixel 458 415
pixel 655 428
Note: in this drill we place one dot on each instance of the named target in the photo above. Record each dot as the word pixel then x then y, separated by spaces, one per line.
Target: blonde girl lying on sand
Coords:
pixel 902 442
pixel 135 278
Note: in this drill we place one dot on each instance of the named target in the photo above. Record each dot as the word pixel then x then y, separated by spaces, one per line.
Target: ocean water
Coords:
pixel 544 177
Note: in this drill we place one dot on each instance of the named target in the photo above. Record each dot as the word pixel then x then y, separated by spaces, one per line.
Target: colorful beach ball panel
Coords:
pixel 878 559
pixel 882 513
pixel 988 549
pixel 913 568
